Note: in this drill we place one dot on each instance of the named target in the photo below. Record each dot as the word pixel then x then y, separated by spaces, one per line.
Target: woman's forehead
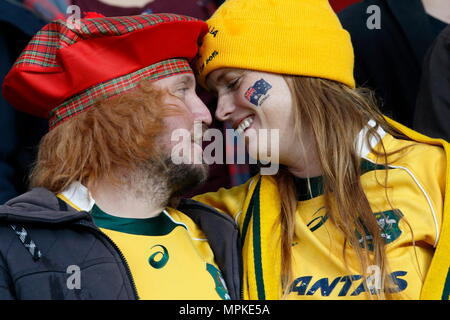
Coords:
pixel 218 76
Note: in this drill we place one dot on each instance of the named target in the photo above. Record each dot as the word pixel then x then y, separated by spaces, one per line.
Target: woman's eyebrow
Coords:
pixel 220 79
pixel 210 83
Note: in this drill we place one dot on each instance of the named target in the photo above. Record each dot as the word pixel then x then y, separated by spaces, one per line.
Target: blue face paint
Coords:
pixel 257 94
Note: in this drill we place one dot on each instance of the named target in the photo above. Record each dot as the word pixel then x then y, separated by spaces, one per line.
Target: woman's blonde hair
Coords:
pixel 335 114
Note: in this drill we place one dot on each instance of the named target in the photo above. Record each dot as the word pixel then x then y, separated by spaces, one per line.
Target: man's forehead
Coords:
pixel 186 78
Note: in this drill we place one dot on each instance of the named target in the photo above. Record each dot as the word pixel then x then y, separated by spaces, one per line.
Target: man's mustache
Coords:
pixel 198 131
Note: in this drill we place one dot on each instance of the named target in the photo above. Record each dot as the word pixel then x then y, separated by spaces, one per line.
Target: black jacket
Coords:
pixel 432 115
pixel 41 237
pixel 389 60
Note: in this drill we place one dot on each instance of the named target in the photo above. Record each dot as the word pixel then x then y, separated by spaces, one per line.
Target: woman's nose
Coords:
pixel 224 109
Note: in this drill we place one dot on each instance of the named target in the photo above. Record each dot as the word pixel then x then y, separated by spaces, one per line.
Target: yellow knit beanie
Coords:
pixel 299 37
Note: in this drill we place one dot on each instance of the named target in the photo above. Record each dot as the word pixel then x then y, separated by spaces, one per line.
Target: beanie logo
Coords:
pixel 213 31
pixel 210 58
pixel 257 94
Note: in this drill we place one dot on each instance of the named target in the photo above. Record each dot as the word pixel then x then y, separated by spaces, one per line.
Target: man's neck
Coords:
pixel 125 202
pixel 439 9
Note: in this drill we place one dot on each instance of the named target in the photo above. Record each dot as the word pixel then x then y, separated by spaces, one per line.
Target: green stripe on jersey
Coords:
pixel 157 226
pixel 307 189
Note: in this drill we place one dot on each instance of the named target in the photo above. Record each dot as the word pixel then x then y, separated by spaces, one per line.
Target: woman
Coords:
pixel 356 209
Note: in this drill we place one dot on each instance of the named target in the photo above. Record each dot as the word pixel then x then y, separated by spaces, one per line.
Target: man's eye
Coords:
pixel 183 89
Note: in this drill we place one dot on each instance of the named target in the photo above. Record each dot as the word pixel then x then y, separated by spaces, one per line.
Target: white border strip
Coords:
pixel 364 150
pixel 182 224
pixel 430 204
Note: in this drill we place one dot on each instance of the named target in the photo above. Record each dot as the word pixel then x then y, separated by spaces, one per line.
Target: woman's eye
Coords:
pixel 233 84
pixel 183 89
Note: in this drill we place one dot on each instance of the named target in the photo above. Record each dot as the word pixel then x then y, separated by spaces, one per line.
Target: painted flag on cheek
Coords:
pixel 249 93
pixel 257 91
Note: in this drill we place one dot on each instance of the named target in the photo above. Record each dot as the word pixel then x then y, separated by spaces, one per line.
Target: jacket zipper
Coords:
pixel 122 257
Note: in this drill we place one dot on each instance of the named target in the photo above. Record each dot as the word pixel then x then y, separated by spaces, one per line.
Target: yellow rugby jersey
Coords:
pixel 417 184
pixel 168 255
pixel 319 242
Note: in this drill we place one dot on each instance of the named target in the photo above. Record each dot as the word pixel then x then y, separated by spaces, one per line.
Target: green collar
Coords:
pixel 308 188
pixel 313 188
pixel 157 226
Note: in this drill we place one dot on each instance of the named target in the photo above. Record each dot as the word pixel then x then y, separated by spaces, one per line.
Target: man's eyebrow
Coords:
pixel 186 80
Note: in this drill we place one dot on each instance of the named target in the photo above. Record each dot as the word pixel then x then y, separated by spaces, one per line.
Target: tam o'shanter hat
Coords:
pixel 64 70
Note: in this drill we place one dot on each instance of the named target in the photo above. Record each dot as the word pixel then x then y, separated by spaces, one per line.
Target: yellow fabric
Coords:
pixel 269 227
pixel 421 171
pixel 190 272
pixel 301 37
pixel 183 277
pixel 437 281
pixel 324 243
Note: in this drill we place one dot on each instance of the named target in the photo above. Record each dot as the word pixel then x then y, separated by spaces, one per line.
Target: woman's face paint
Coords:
pixel 254 101
pixel 258 93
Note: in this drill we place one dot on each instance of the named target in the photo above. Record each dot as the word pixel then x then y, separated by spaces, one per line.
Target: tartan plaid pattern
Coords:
pixel 42 49
pixel 86 99
pixel 27 242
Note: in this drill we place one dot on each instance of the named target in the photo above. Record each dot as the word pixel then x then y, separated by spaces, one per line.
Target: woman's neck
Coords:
pixel 303 160
pixel 313 169
pixel 304 163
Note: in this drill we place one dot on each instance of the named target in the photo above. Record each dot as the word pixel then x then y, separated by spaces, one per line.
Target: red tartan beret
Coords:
pixel 64 70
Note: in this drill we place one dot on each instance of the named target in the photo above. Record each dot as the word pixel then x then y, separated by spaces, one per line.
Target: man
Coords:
pixel 21 132
pixel 97 225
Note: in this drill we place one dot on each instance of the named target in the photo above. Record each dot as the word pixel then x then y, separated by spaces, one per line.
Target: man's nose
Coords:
pixel 201 112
